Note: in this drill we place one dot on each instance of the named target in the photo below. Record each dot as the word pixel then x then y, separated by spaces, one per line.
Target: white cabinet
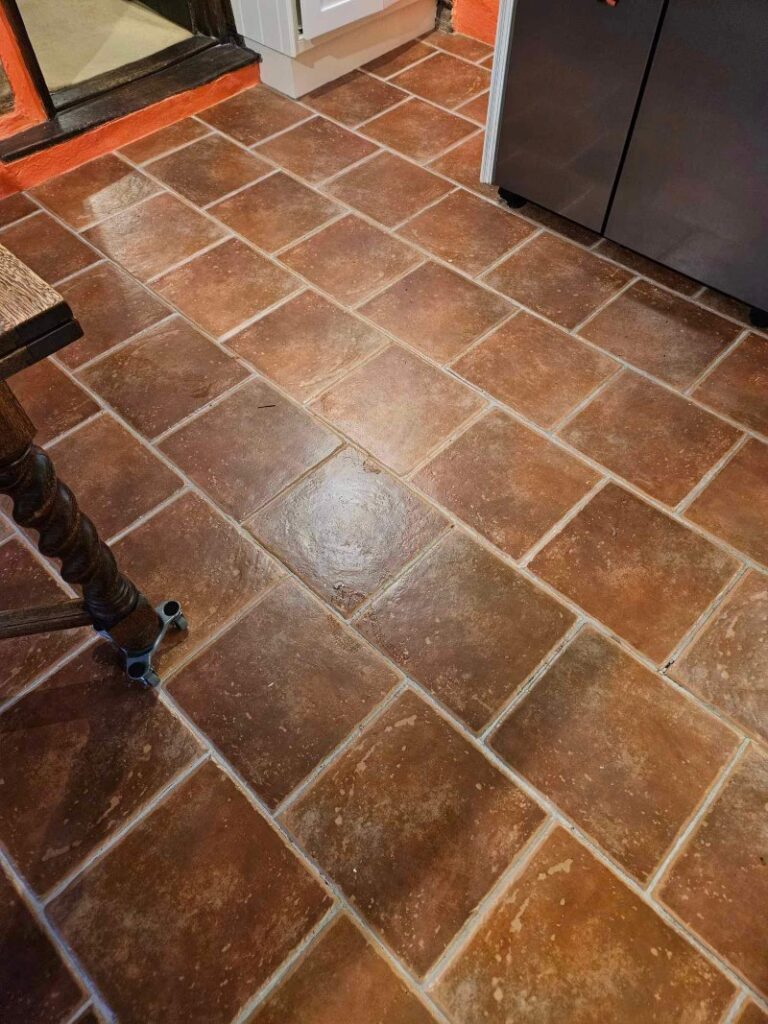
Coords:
pixel 321 16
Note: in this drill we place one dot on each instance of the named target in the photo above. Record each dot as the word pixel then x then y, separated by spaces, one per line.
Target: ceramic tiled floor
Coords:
pixel 468 512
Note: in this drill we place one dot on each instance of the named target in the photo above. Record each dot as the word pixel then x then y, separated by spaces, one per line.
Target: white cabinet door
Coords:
pixel 320 16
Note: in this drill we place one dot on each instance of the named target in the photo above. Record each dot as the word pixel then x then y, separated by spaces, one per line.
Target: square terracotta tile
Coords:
pixel 752 1014
pixel 466 626
pixel 275 211
pixel 114 477
pixel 398 59
pixel 535 368
pixel 638 571
pixel 36 986
pixel 718 886
pixel 459 45
pixel 206 879
pixel 726 304
pixel 437 311
pixel 163 376
pixel 346 529
pixel 350 258
pixel 78 756
pixel 648 268
pixel 462 165
pixel 415 866
pixel 253 115
pixel 15 207
pixel 466 231
pixel 111 308
pixel 661 333
pixel 225 286
pixel 311 680
pixel 249 447
pixel 94 191
pixel 388 188
pixel 649 435
pixel 476 109
pixel 727 663
pixel 343 978
pixel 353 98
pixel 151 237
pixel 51 399
pixel 508 483
pixel 738 387
pixel 208 169
pixel 306 343
pixel 616 748
pixel 570 941
pixel 160 142
pixel 398 407
pixel 557 279
pixel 444 80
pixel 418 130
pixel 47 248
pixel 734 505
pixel 316 149
pixel 189 553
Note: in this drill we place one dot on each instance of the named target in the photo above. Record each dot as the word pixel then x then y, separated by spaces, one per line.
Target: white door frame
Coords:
pixel 498 78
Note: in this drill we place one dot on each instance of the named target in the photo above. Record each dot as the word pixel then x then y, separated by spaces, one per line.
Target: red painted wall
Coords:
pixel 476 18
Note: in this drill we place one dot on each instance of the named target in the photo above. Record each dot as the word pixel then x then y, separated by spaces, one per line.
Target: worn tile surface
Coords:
pixel 459 45
pixel 47 248
pixel 648 268
pixel 160 142
pixel 418 130
pixel 353 98
pixel 398 59
pixel 388 188
pixel 462 164
pixel 253 115
pixel 52 400
pixel 208 169
pixel 443 79
pixel 317 149
pixel 738 386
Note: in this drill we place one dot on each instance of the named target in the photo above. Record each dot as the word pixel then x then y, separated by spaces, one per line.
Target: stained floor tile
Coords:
pixel 617 749
pixel 650 436
pixel 47 248
pixel 661 333
pixel 459 45
pixel 248 447
pixel 466 626
pixel 346 529
pixel 206 880
pixel 160 142
pixel 398 407
pixel 388 188
pixel 52 400
pixel 638 571
pixel 418 130
pixel 739 385
pixel 558 280
pixel 14 207
pixel 734 505
pixel 253 115
pixel 317 149
pixel 444 80
pixel 436 310
pixel 648 268
pixel 508 483
pixel 208 169
pixel 398 59
pixel 476 109
pixel 727 664
pixel 718 885
pixel 280 689
pixel 353 98
pixel 163 376
pixel 569 942
pixel 416 866
pixel 462 164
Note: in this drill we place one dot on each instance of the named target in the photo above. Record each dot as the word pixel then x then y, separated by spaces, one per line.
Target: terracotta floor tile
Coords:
pixel 15 207
pixel 350 258
pixel 160 142
pixel 253 115
pixel 727 665
pixel 78 756
pixel 462 165
pixel 617 749
pixel 466 231
pixel 638 571
pixel 738 387
pixel 388 188
pixel 151 237
pixel 726 305
pixel 225 286
pixel 353 98
pixel 305 343
pixel 275 211
pixel 648 268
pixel 752 1014
pixel 466 626
pixel 114 477
pixel 163 376
pixel 557 279
pixel 208 169
pixel 317 149
pixel 188 553
pixel 36 987
pixel 398 407
pixel 52 400
pixel 734 505
pixel 247 448
pixel 569 942
pixel 560 225
pixel 459 45
pixel 311 680
pixel 398 59
pixel 444 80
pixel 508 483
pixel 718 885
pixel 206 880
pixel 415 866
pixel 418 130
pixel 436 311
pixel 111 308
pixel 47 248
pixel 661 333
pixel 94 191
pixel 652 437
pixel 342 978
pixel 346 529
pixel 476 109
pixel 535 368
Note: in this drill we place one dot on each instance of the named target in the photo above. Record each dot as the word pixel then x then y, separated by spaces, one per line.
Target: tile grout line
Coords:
pixel 717 361
pixel 568 516
pixel 697 490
